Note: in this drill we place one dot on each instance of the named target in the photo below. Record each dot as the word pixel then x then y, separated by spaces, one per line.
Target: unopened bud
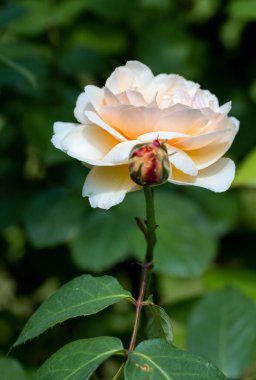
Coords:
pixel 149 163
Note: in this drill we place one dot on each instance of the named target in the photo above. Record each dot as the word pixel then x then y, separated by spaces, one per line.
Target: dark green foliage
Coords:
pixel 49 50
pixel 227 337
pixel 160 361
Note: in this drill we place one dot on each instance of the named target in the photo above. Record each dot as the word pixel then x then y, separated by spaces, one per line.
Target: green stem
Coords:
pixel 151 224
pixel 150 235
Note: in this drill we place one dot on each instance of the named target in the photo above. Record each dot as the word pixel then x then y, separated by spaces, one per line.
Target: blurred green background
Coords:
pixel 51 49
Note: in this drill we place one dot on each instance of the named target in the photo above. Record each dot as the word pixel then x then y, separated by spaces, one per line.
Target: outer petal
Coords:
pixel 217 177
pixel 95 96
pixel 86 143
pixel 235 122
pixel 190 143
pixel 107 186
pixel 211 153
pixel 60 132
pixel 120 153
pixel 82 103
pixel 204 158
pixel 182 161
pixel 161 135
pixel 208 147
pixel 225 108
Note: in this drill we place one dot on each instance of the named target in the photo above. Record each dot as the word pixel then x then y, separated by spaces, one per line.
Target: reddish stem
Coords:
pixel 150 236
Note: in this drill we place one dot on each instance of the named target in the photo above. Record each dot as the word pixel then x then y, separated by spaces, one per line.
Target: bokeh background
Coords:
pixel 205 257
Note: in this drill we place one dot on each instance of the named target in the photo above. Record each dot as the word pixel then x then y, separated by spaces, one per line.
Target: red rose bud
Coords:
pixel 149 163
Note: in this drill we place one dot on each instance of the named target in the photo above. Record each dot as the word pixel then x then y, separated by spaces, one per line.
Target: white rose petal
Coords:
pixel 107 186
pixel 95 119
pixel 86 143
pixel 95 96
pixel 181 121
pixel 134 75
pixel 218 177
pixel 131 120
pixel 60 132
pixel 120 153
pixel 182 161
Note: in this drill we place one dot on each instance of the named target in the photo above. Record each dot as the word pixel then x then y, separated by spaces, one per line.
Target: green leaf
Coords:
pixel 89 252
pixel 221 208
pixel 78 360
pixel 248 208
pixel 185 242
pixel 243 279
pixel 67 11
pixel 84 295
pixel 222 329
pixel 174 290
pixel 81 59
pixel 11 369
pixel 42 16
pixel 9 13
pixel 53 217
pixel 174 50
pixel 113 9
pixel 103 37
pixel 25 67
pixel 246 172
pixel 158 360
pixel 203 10
pixel 231 32
pixel 22 70
pixel 159 325
pixel 243 9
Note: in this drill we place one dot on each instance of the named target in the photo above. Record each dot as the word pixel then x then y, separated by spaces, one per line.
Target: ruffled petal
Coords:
pixel 86 143
pixel 211 153
pixel 217 177
pixel 131 121
pixel 107 186
pixel 95 119
pixel 205 157
pixel 110 98
pixel 225 108
pixel 135 98
pixel 185 121
pixel 189 143
pixel 203 99
pixel 218 131
pixel 134 76
pixel 95 96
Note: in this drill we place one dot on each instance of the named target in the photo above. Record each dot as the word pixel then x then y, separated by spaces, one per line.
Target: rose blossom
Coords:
pixel 137 107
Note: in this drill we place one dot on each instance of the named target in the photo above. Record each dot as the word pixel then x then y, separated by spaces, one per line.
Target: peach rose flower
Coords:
pixel 136 107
